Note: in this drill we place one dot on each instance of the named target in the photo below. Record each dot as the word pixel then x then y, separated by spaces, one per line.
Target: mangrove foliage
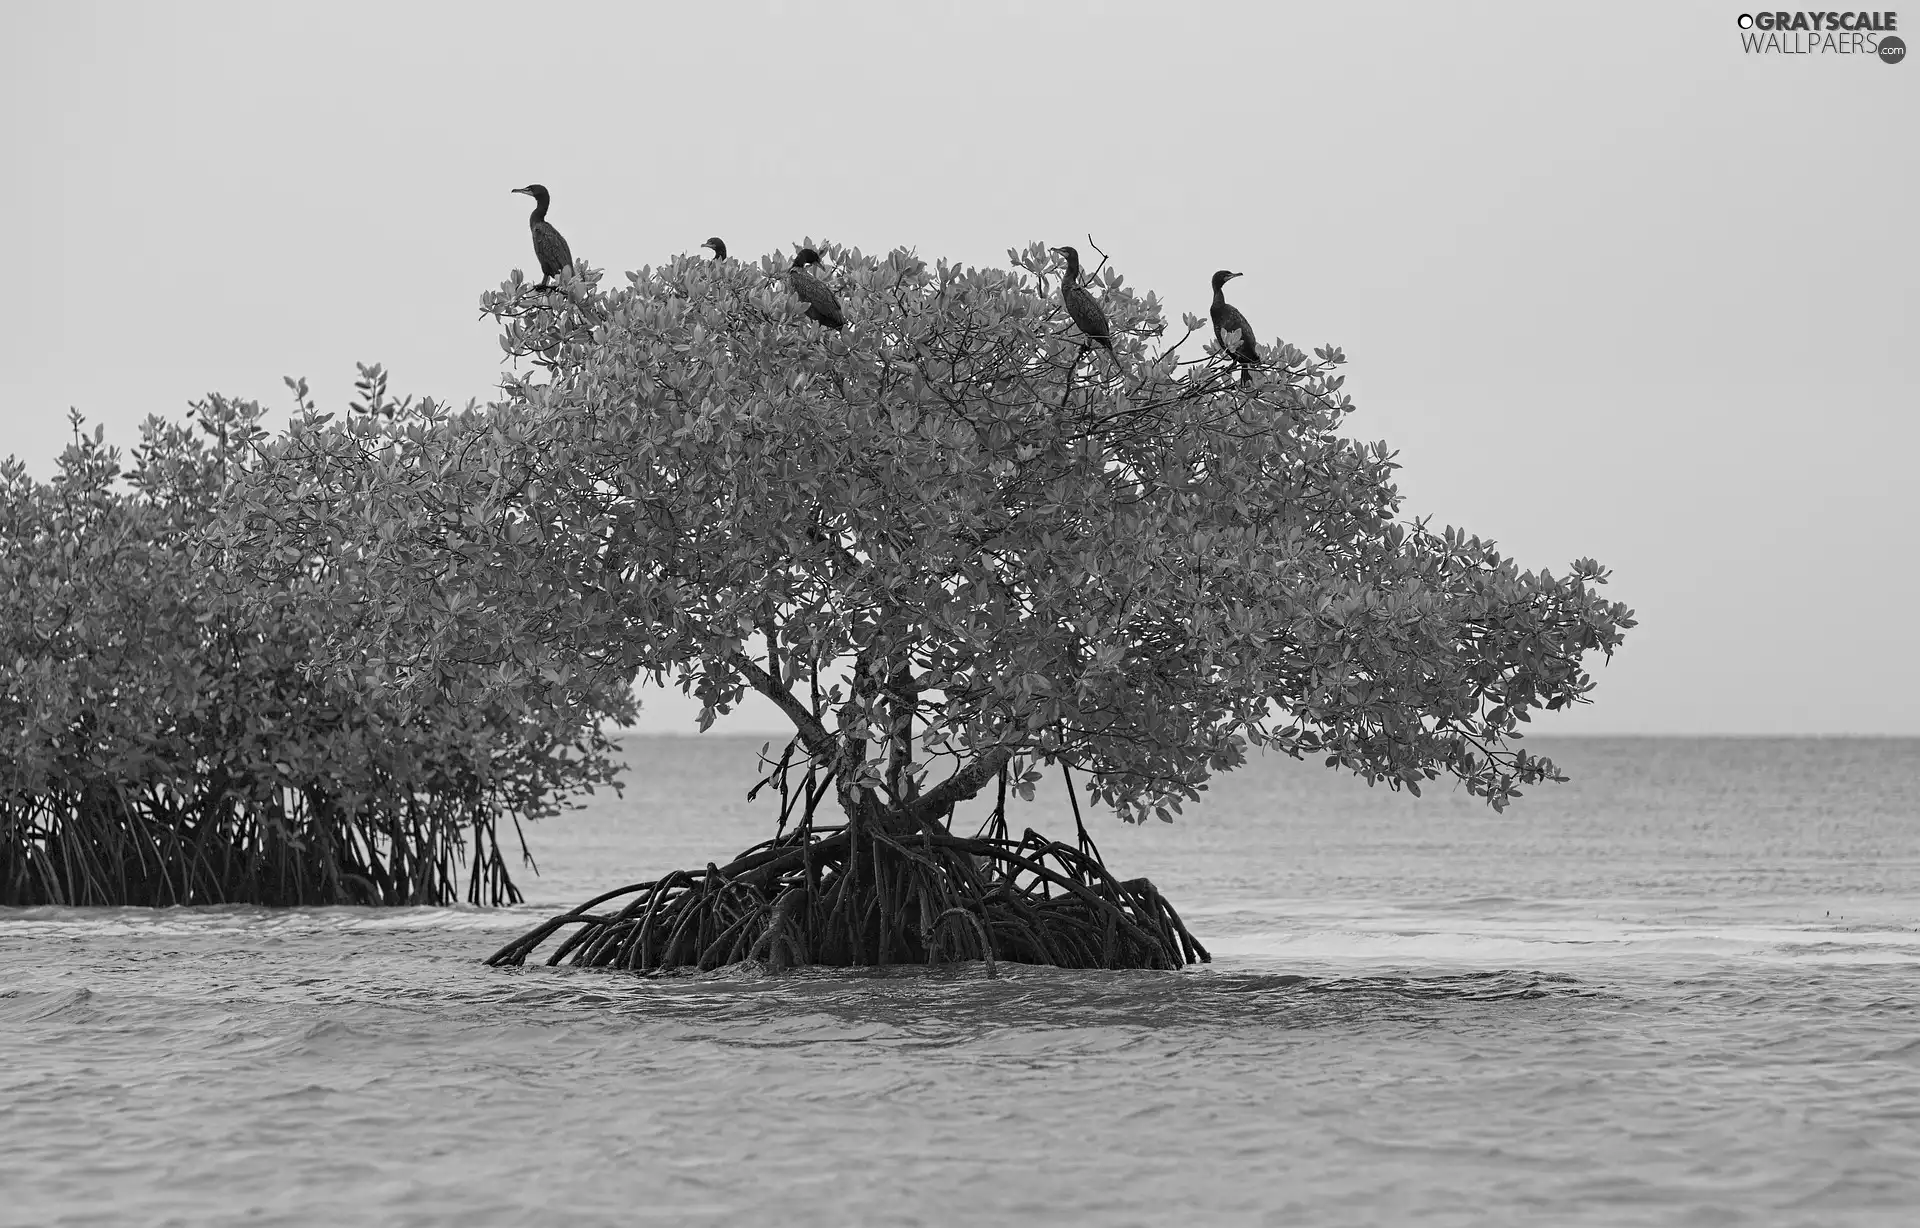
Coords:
pixel 956 547
pixel 175 732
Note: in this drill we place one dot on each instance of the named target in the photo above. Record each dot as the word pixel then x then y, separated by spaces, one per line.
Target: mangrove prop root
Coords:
pixel 861 896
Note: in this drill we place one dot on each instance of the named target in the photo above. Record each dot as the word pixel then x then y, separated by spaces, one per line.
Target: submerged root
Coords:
pixel 842 897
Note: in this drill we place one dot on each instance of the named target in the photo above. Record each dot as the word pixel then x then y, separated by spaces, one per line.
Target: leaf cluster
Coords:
pixel 947 542
pixel 169 740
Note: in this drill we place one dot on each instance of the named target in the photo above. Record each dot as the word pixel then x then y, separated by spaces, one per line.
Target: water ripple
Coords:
pixel 1666 1003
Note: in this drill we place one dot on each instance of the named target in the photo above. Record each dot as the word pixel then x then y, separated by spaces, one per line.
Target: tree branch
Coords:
pixel 960 786
pixel 812 732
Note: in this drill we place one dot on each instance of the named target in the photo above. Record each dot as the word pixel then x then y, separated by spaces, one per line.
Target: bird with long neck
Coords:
pixel 822 305
pixel 719 247
pixel 548 247
pixel 1231 329
pixel 1081 305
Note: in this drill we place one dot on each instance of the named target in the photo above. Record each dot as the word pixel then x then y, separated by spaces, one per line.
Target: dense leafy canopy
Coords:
pixel 168 741
pixel 947 542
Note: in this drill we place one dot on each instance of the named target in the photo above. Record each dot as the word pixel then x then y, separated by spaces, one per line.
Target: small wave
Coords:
pixel 1907 1052
pixel 137 923
pixel 29 1006
pixel 1486 941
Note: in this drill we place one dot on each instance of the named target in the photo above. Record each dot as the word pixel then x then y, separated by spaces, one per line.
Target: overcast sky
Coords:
pixel 1611 287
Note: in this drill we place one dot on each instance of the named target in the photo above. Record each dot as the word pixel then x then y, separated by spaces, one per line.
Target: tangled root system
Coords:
pixel 857 894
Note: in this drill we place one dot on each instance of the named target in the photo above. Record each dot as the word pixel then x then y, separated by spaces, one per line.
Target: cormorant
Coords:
pixel 822 306
pixel 548 247
pixel 1227 319
pixel 1081 305
pixel 719 247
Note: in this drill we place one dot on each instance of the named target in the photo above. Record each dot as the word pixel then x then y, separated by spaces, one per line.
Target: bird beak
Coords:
pixel 1231 276
pixel 521 192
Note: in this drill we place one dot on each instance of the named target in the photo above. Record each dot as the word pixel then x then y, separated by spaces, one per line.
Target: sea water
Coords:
pixel 1682 989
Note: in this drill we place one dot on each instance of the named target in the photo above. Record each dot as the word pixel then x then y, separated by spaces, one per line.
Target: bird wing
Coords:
pixel 550 249
pixel 822 305
pixel 1088 314
pixel 1227 321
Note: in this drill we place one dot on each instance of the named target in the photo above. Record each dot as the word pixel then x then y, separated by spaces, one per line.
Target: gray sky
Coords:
pixel 1611 286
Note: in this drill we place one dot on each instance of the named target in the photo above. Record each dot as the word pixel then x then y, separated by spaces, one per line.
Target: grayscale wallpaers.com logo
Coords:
pixel 1823 34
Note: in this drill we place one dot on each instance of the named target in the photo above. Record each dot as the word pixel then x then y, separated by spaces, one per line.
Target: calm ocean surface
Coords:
pixel 1683 989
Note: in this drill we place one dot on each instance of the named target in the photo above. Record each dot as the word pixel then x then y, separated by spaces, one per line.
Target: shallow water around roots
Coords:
pixel 1684 989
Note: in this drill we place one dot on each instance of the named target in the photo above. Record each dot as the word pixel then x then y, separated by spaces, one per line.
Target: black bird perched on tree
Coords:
pixel 1081 305
pixel 719 247
pixel 821 303
pixel 1226 320
pixel 548 247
